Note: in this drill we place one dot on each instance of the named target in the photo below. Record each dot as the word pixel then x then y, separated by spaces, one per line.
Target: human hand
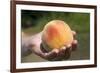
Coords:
pixel 54 55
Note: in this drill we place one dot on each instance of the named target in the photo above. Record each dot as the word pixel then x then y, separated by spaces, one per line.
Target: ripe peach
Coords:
pixel 56 34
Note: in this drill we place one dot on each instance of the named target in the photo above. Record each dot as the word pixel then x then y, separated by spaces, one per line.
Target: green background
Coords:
pixel 32 22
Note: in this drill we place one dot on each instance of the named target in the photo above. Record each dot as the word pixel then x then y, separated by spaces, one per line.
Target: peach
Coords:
pixel 56 34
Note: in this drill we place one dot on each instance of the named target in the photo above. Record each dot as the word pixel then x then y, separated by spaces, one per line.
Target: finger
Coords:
pixel 42 48
pixel 74 45
pixel 64 49
pixel 68 52
pixel 67 55
pixel 61 53
pixel 55 50
pixel 74 33
pixel 51 55
pixel 68 46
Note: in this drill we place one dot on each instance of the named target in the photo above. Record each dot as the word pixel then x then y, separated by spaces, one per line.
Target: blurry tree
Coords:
pixel 31 18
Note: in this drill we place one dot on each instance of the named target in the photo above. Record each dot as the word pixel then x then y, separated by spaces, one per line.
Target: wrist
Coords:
pixel 25 50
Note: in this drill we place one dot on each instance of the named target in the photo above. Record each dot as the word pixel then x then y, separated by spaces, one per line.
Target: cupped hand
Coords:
pixel 54 55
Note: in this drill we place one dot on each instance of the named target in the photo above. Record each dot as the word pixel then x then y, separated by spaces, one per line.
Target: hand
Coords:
pixel 55 54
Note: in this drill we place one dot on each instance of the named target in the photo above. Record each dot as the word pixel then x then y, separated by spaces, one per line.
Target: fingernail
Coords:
pixel 69 45
pixel 63 47
pixel 76 41
pixel 56 50
pixel 74 33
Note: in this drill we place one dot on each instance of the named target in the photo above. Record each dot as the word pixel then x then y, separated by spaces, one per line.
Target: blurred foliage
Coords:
pixel 38 19
pixel 34 21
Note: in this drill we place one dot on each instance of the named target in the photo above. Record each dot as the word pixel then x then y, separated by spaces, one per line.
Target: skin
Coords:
pixel 34 44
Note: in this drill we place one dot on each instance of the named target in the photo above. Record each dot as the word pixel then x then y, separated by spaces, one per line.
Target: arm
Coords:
pixel 34 44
